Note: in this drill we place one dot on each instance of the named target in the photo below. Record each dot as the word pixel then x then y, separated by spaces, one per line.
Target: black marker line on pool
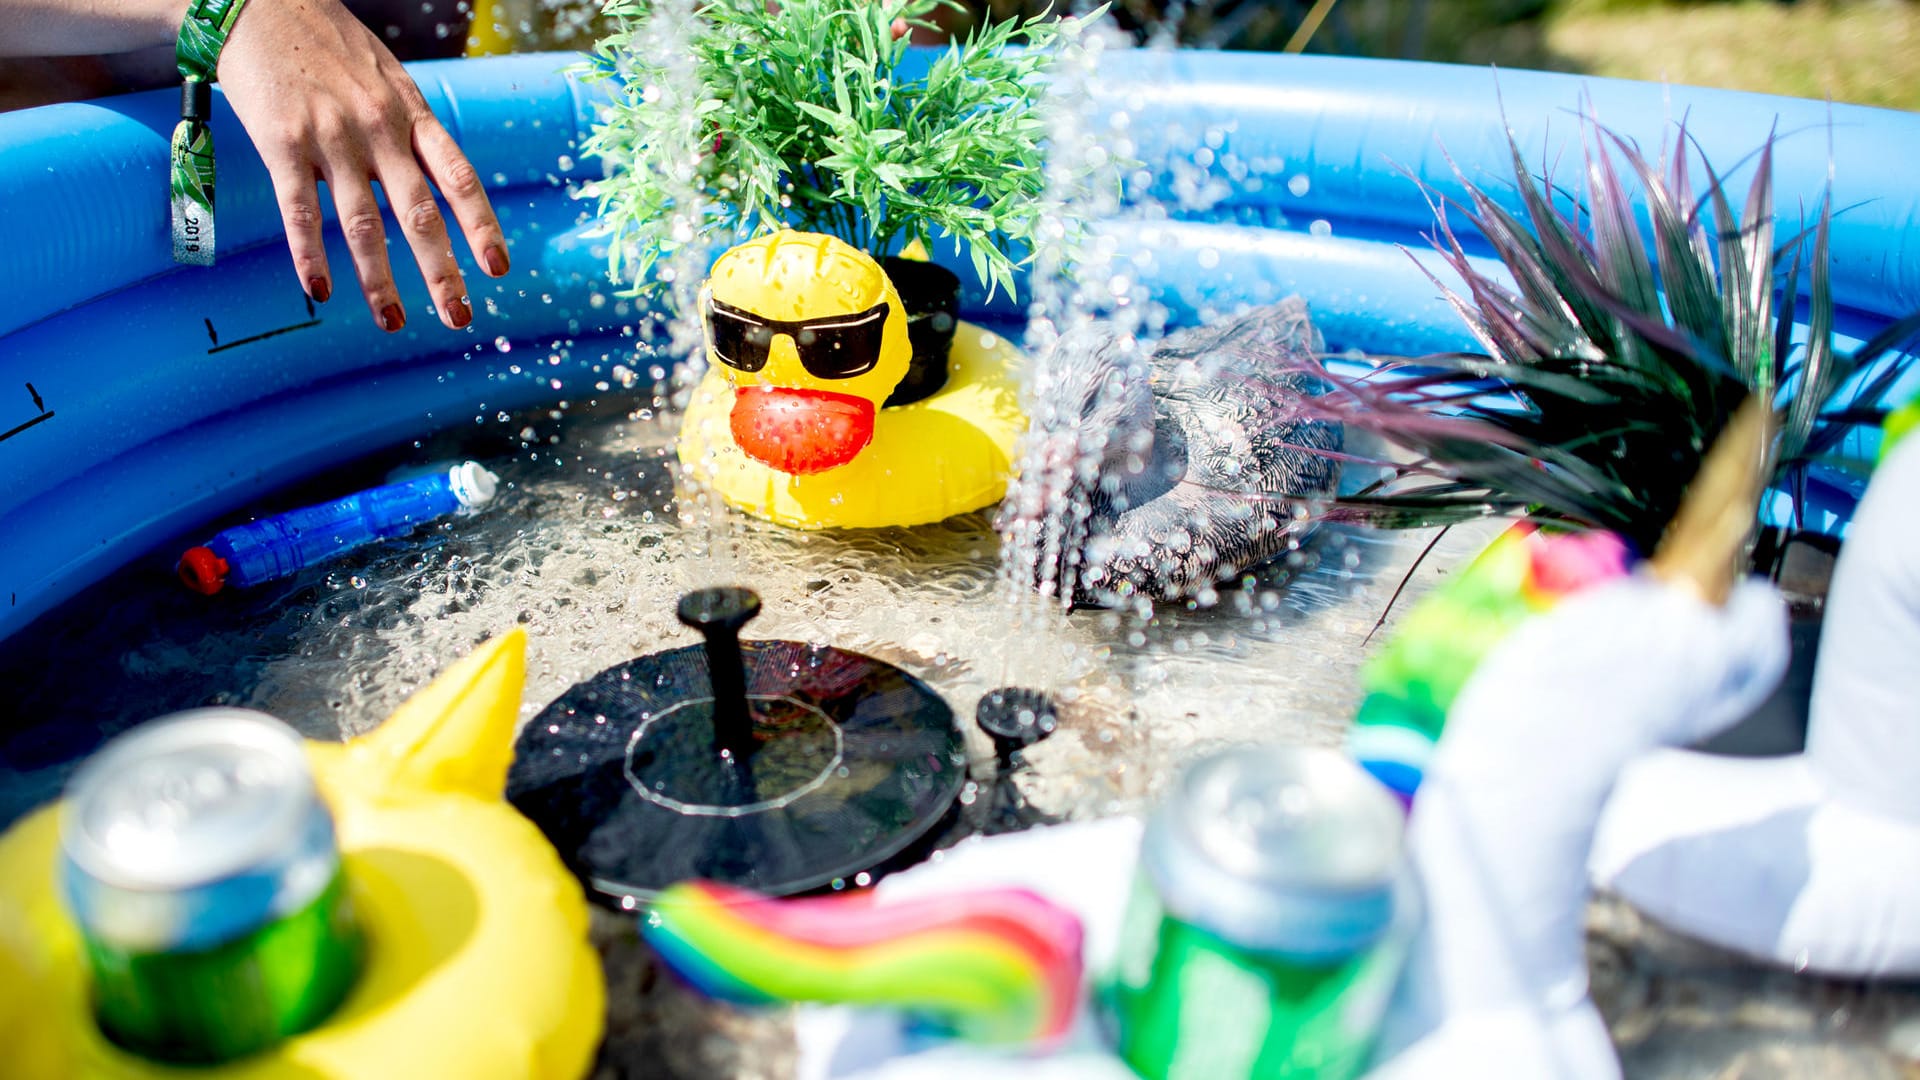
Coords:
pixel 46 414
pixel 215 335
pixel 237 342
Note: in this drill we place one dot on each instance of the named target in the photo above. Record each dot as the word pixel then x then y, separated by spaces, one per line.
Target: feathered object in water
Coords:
pixel 1618 356
pixel 1156 472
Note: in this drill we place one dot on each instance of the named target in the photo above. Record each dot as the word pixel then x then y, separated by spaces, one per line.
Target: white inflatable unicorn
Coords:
pixel 1809 860
pixel 1505 818
pixel 1496 979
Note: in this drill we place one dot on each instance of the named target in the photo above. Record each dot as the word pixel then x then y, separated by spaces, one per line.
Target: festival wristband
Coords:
pixel 203 33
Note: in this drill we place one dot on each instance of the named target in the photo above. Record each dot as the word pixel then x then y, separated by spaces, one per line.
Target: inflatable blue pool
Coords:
pixel 139 400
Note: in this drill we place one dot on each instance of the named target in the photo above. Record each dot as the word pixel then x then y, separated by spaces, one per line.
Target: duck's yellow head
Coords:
pixel 813 337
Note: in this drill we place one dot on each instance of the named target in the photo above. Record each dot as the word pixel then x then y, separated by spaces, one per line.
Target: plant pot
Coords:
pixel 1800 564
pixel 931 294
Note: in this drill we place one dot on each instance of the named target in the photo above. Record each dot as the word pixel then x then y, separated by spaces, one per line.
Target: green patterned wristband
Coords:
pixel 203 33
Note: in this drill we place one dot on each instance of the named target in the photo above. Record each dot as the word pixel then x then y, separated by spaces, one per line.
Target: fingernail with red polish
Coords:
pixel 319 289
pixel 459 314
pixel 392 318
pixel 496 259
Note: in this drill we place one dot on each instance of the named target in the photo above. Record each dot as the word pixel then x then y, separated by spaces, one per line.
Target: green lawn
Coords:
pixel 1859 52
pixel 1850 50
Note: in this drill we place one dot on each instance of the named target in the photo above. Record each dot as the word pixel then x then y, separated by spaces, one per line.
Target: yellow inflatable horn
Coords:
pixel 477 965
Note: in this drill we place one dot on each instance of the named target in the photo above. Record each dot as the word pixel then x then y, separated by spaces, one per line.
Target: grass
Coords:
pixel 1850 50
pixel 1857 52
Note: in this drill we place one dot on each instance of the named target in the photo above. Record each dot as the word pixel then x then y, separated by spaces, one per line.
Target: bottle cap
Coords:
pixel 202 570
pixel 472 484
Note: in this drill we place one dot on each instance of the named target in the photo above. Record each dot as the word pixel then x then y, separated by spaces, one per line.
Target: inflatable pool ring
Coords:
pixel 1206 457
pixel 477 965
pixel 1805 860
pixel 1412 680
pixel 806 339
pixel 238 390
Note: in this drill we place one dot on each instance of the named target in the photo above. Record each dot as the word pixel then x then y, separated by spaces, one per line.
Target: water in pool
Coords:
pixel 586 547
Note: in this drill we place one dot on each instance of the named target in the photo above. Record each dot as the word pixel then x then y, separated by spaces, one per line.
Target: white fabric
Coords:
pixel 1809 861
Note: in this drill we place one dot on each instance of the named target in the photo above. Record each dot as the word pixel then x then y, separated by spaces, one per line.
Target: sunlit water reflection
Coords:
pixel 584 549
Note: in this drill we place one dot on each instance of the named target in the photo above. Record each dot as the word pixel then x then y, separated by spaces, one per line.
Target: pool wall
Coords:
pixel 139 400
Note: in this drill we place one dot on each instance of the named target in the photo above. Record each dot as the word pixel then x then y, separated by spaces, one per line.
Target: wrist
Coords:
pixel 204 34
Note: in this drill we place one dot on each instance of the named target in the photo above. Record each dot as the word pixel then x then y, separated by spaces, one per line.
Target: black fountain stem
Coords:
pixel 719 613
pixel 1014 717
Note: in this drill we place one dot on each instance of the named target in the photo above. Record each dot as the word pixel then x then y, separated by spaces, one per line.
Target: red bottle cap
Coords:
pixel 203 571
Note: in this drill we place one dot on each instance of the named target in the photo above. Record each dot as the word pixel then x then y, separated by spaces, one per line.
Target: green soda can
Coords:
pixel 200 864
pixel 1269 920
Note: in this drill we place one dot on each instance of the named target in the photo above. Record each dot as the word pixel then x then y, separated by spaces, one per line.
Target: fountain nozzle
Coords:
pixel 719 613
pixel 1015 717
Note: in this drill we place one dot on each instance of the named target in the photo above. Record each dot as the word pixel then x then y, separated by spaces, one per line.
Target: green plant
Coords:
pixel 815 117
pixel 1615 364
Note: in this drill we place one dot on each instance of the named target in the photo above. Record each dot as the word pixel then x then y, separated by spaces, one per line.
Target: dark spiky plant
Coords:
pixel 1616 357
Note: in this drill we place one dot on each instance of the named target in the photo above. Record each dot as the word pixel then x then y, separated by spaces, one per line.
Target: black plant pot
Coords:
pixel 931 294
pixel 1801 566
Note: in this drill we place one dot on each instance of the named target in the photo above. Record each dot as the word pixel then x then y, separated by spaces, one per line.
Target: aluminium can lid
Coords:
pixel 1291 850
pixel 189 800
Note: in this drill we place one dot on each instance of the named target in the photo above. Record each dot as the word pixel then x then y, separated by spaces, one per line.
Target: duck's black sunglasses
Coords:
pixel 832 347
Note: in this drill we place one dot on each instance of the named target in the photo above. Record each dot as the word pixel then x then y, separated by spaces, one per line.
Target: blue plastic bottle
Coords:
pixel 276 546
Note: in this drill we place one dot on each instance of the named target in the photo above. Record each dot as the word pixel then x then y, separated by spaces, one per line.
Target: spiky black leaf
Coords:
pixel 1618 356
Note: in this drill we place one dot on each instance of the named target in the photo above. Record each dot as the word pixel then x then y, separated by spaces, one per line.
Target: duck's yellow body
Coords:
pixel 477 963
pixel 854 463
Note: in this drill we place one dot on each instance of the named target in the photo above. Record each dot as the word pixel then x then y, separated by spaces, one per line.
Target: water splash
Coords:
pixel 676 127
pixel 1043 522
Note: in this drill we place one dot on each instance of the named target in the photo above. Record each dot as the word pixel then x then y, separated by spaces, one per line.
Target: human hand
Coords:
pixel 324 99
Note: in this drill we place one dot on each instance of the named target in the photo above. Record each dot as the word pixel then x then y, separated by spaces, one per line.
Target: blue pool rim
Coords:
pixel 139 401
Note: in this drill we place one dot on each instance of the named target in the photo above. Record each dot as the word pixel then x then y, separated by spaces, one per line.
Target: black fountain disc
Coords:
pixel 852 761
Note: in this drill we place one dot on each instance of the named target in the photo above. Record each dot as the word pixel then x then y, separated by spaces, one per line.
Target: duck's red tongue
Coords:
pixel 800 431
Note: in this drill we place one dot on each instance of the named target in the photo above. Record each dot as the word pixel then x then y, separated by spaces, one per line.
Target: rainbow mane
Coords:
pixel 1413 679
pixel 997 965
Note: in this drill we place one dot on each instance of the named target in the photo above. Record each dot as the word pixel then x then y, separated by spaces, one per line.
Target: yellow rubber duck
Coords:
pixel 477 961
pixel 806 338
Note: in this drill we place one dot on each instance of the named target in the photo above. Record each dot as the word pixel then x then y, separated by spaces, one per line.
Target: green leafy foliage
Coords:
pixel 813 118
pixel 1612 367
